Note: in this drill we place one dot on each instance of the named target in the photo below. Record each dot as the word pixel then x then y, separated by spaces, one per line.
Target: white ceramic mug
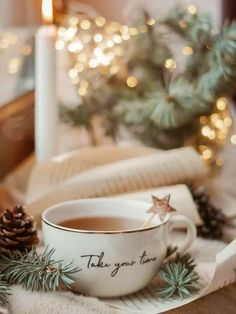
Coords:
pixel 112 263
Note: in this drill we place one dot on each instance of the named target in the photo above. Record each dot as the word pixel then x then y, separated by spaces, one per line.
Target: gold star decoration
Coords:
pixel 160 207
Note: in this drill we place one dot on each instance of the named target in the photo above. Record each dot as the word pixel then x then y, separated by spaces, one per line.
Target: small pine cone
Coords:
pixel 17 230
pixel 213 218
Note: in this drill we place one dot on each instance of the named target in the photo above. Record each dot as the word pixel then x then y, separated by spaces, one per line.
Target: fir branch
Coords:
pixel 161 112
pixel 36 272
pixel 220 79
pixel 177 107
pixel 178 275
pixel 178 280
pixel 4 292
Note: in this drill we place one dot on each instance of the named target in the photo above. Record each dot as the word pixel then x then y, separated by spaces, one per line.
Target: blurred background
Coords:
pixel 19 20
pixel 28 11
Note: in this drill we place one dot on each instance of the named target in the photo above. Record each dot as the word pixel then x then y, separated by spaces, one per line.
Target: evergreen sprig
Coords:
pixel 36 271
pixel 178 275
pixel 179 280
pixel 4 292
pixel 166 103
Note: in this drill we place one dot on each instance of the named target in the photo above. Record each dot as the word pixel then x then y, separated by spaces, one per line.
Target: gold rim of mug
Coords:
pixel 105 232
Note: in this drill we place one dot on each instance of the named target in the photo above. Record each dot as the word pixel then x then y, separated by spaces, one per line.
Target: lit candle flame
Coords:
pixel 47 11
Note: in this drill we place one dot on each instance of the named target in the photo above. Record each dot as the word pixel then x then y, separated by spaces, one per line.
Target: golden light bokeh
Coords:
pixel 192 9
pixel 131 81
pixel 170 64
pixel 100 21
pixel 187 51
pixel 85 24
pixel 233 139
pixel 221 103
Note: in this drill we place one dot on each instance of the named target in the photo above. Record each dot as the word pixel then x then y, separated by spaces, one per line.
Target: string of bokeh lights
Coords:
pixel 98 46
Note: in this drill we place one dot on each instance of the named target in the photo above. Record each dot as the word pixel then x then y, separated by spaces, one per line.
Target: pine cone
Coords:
pixel 213 218
pixel 17 230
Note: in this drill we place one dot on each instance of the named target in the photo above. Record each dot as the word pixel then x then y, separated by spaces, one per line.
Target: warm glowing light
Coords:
pixel 14 65
pixel 132 81
pixel 72 73
pixel 187 51
pixel 93 63
pixel 82 91
pixel 207 154
pixel 26 50
pixel 100 21
pixel 85 24
pixel 60 44
pixel 233 139
pixel 114 69
pixel 84 84
pixel 221 103
pixel 227 121
pixel 125 36
pixel 4 43
pixel 117 39
pixel 98 38
pixel 75 46
pixel 214 117
pixel 212 135
pixel 74 20
pixel 61 31
pixel 206 131
pixel 110 43
pixel 124 29
pixel 47 11
pixel 170 64
pixel 70 33
pixel 133 31
pixel 192 9
pixel 219 124
pixel 151 21
pixel 97 51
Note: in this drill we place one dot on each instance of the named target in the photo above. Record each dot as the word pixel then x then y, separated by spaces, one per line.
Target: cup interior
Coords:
pixel 97 208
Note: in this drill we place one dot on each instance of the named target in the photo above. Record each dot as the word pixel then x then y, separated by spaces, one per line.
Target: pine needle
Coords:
pixel 178 275
pixel 4 292
pixel 179 280
pixel 37 272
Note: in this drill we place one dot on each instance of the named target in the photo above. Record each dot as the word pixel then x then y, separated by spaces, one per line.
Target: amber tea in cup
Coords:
pixel 105 223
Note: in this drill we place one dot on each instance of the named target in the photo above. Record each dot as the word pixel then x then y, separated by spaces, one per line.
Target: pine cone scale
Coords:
pixel 17 230
pixel 7 242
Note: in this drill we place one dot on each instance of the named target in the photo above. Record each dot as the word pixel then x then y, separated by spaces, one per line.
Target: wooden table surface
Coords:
pixel 222 301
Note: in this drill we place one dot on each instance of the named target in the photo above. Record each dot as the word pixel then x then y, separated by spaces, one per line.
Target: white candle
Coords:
pixel 46 105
